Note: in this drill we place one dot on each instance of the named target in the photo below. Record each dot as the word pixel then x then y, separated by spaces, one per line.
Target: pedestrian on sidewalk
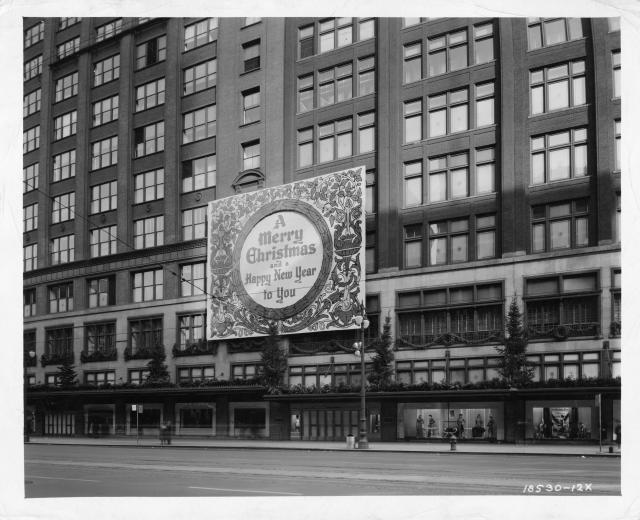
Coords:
pixel 168 432
pixel 491 428
pixel 163 434
pixel 618 431
pixel 420 427
pixel 460 424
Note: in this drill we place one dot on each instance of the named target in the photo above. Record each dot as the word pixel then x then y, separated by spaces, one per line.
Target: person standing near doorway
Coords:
pixel 420 427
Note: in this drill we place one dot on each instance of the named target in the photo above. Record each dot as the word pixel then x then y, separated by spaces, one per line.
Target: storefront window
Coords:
pixel 441 420
pixel 563 422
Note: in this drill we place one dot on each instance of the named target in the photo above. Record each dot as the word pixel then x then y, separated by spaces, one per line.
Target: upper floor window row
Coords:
pixel 66 87
pixel 68 48
pixel 108 30
pixel 200 33
pixel 33 68
pixel 68 22
pixel 544 32
pixel 151 52
pixel 34 34
pixel 106 70
pixel 333 33
pixel 336 84
pixel 448 52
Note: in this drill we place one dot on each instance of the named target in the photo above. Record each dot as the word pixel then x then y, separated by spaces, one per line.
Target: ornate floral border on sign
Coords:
pixel 338 199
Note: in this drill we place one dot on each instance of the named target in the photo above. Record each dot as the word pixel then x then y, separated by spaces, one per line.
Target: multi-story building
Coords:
pixel 492 155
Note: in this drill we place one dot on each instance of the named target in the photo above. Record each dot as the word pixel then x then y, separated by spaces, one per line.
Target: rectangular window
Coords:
pixel 33 68
pixel 61 298
pixel 150 95
pixel 199 173
pixel 246 371
pixel 616 303
pixel 104 197
pixel 30 217
pixel 59 342
pixel 560 226
pixel 335 140
pixel 200 77
pixel 68 48
pixel 447 53
pixel 412 62
pixel 31 102
pixel 413 245
pixel 562 306
pixel 412 183
pixel 66 87
pixel 251 155
pixel 305 93
pixel 103 378
pixel 483 36
pixel 200 33
pixel 485 170
pixel 148 285
pixel 251 55
pixel 485 104
pixel 412 121
pixel 192 279
pixel 151 52
pixel 370 252
pixel 485 236
pixel 191 330
pixel 306 42
pixel 31 139
pixel 366 28
pixel 371 197
pixel 448 242
pixel 100 337
pixel 366 132
pixel 335 84
pixel 30 257
pixel 305 147
pixel 196 375
pixel 145 334
pixel 251 106
pixel 149 139
pixel 366 75
pixel 617 72
pixel 30 175
pixel 29 306
pixel 543 32
pixel 194 223
pixel 102 241
pixel 65 125
pixel 108 30
pixel 102 291
pixel 104 153
pixel 448 177
pixel 34 34
pixel 460 315
pixel 68 22
pixel 148 186
pixel 106 70
pixel 105 111
pixel 63 207
pixel 557 87
pixel 64 165
pixel 559 156
pixel 148 232
pixel 62 249
pixel 137 377
pixel 199 124
pixel 448 112
pixel 617 131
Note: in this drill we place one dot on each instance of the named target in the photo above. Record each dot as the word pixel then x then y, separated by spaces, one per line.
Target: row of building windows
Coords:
pixel 145 286
pixel 333 33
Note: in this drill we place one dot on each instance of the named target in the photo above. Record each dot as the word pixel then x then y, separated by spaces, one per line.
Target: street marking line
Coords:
pixel 60 478
pixel 246 491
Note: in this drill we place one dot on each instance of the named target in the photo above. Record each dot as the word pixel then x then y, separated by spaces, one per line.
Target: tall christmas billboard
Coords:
pixel 292 254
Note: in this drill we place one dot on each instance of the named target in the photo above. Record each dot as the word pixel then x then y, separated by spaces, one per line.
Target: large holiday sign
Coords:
pixel 292 254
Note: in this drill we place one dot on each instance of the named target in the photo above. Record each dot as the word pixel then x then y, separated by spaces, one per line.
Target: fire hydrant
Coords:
pixel 453 442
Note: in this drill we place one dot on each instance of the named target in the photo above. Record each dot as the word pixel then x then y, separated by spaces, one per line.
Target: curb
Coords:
pixel 301 448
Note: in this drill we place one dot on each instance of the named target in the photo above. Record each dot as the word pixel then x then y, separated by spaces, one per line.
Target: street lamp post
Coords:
pixel 25 384
pixel 363 323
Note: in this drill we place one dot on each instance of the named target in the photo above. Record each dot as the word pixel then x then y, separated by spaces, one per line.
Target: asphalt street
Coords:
pixel 110 471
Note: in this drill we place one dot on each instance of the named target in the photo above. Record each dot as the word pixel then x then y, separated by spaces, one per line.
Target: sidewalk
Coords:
pixel 587 450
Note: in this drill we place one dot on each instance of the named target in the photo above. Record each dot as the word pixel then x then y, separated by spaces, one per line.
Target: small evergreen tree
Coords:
pixel 513 367
pixel 274 361
pixel 158 372
pixel 67 372
pixel 382 361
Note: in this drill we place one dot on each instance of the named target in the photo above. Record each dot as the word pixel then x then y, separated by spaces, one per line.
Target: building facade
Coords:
pixel 492 152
